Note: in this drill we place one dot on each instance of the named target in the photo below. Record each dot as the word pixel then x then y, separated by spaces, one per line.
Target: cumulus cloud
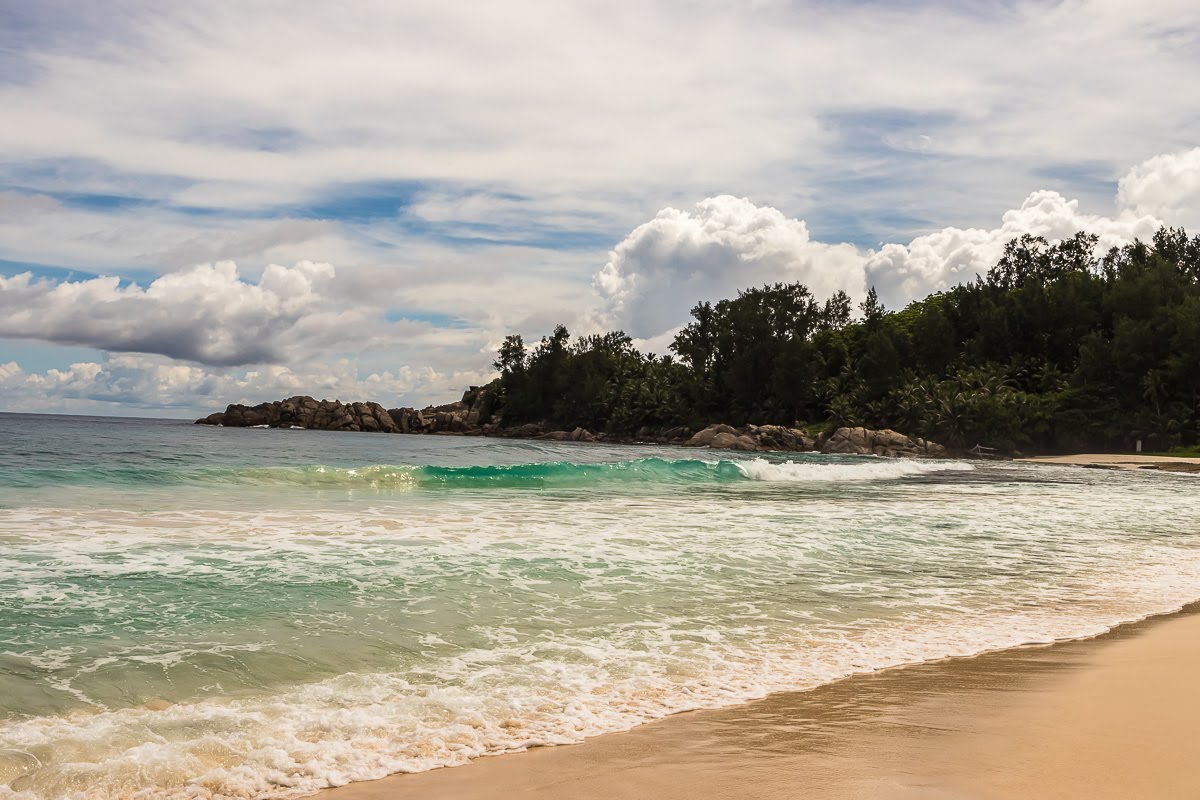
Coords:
pixel 206 314
pixel 655 275
pixel 1163 190
pixel 1166 186
pixel 664 266
pixel 939 260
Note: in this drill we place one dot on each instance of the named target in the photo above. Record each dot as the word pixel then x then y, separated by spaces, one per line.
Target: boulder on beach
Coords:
pixel 849 441
pixel 864 442
pixel 705 437
pixel 752 437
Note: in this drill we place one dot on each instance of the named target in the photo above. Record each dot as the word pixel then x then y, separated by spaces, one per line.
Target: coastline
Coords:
pixel 1112 716
pixel 1120 461
pixel 474 416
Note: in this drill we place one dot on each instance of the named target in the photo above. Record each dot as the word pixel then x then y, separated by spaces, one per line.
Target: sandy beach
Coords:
pixel 1113 717
pixel 1121 461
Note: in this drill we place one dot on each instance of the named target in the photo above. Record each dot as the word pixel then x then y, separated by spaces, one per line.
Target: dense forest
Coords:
pixel 1057 348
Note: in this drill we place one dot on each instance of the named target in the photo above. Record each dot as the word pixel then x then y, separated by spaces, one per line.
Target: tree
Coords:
pixel 511 356
pixel 879 367
pixel 873 311
pixel 933 341
pixel 836 313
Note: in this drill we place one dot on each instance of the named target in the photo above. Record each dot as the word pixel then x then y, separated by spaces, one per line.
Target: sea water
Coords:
pixel 196 612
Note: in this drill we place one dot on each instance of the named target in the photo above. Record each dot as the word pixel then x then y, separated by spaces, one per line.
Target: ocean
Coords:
pixel 197 612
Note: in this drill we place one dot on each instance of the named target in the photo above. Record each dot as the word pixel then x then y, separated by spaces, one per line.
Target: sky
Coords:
pixel 207 203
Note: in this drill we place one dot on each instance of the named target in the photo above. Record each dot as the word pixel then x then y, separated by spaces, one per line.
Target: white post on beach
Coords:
pixel 1139 445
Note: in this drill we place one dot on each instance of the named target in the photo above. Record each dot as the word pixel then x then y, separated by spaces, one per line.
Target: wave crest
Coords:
pixel 760 469
pixel 566 473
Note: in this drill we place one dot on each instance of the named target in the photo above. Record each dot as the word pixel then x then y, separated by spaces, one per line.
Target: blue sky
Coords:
pixel 362 200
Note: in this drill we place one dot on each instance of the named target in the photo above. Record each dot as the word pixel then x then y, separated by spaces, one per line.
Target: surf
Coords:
pixel 567 473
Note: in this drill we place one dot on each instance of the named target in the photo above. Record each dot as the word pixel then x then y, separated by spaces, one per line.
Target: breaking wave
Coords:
pixel 566 474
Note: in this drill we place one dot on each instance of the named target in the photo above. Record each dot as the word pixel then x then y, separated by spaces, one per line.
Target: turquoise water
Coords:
pixel 207 613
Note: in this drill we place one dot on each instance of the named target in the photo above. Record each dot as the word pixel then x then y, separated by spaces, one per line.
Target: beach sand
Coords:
pixel 1121 461
pixel 1113 717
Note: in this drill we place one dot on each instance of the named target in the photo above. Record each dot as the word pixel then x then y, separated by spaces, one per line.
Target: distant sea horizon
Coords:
pixel 91 416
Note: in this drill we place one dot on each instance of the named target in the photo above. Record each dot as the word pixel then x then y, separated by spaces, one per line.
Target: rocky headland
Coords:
pixel 475 415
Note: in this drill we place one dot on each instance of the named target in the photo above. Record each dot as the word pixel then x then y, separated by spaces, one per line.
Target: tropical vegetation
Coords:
pixel 1056 348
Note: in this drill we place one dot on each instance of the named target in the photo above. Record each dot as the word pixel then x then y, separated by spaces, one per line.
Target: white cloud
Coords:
pixel 19 207
pixel 37 228
pixel 655 276
pixel 666 265
pixel 501 217
pixel 939 260
pixel 206 314
pixel 569 99
pixel 158 386
pixel 1167 187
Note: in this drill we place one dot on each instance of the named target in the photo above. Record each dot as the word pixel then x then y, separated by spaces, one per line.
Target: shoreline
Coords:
pixel 1127 461
pixel 1000 724
pixel 474 415
pixel 898 446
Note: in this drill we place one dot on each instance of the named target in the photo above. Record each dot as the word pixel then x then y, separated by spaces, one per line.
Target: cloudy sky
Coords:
pixel 204 203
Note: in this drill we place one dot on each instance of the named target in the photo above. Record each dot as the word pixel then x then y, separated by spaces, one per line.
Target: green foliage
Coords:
pixel 1181 452
pixel 599 382
pixel 1054 349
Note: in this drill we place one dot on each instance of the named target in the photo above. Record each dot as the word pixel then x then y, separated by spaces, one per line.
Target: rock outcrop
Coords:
pixel 848 441
pixel 753 437
pixel 475 415
pixel 450 418
pixel 779 437
pixel 864 441
pixel 577 435
pixel 306 412
pixel 467 416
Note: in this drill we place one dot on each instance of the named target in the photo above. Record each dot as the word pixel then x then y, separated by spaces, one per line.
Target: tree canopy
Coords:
pixel 1056 348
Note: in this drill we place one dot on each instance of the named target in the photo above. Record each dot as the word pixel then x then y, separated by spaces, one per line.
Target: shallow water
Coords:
pixel 189 611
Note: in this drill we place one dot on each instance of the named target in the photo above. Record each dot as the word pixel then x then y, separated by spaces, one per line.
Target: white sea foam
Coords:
pixel 308 647
pixel 363 727
pixel 759 469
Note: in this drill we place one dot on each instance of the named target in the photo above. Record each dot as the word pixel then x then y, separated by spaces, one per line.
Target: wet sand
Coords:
pixel 1121 461
pixel 1113 717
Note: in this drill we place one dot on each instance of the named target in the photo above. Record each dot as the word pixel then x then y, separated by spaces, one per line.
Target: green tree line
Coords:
pixel 1055 349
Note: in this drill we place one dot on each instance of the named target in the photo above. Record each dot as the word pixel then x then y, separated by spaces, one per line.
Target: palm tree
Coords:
pixel 952 414
pixel 1154 389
